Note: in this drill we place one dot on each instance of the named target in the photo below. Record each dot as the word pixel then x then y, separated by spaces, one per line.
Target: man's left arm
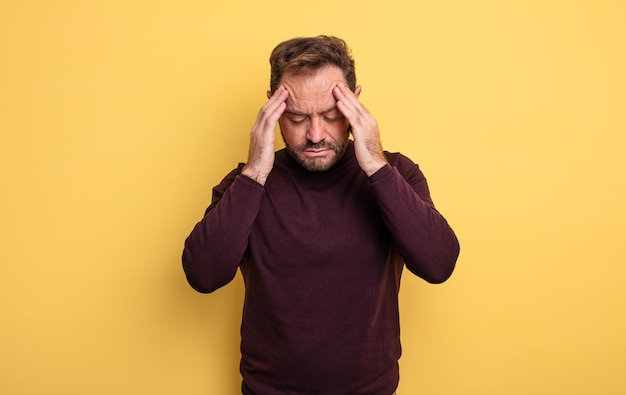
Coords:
pixel 421 234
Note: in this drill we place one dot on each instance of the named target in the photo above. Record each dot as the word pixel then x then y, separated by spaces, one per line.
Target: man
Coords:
pixel 321 231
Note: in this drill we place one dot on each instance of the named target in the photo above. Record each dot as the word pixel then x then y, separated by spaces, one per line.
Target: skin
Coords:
pixel 316 113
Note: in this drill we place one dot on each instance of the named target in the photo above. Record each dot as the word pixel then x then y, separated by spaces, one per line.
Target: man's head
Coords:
pixel 315 132
pixel 308 54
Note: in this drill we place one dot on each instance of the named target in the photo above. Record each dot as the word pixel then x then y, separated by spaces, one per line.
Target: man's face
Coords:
pixel 314 130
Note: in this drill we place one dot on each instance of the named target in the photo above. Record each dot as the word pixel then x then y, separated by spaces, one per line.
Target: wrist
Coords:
pixel 254 174
pixel 374 165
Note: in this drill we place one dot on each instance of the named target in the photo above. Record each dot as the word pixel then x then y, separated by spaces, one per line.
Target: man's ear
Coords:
pixel 269 94
pixel 357 90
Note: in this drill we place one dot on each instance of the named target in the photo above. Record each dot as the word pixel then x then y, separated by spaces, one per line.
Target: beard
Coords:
pixel 318 163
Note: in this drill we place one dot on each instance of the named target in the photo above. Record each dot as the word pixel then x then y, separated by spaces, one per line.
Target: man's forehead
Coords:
pixel 312 92
pixel 317 84
pixel 311 104
pixel 311 101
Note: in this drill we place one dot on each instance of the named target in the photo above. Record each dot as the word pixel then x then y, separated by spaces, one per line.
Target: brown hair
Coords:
pixel 309 54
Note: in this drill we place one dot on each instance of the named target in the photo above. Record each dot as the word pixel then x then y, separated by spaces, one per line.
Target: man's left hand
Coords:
pixel 367 145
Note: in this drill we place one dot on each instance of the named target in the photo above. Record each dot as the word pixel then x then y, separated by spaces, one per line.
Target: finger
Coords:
pixel 350 101
pixel 273 108
pixel 349 104
pixel 345 95
pixel 275 101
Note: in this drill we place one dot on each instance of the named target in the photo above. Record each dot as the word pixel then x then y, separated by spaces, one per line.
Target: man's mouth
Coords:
pixel 314 152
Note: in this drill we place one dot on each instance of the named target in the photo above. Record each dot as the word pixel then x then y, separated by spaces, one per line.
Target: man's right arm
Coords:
pixel 261 153
pixel 217 244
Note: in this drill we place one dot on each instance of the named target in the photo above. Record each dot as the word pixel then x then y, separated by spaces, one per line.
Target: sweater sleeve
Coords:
pixel 217 244
pixel 421 234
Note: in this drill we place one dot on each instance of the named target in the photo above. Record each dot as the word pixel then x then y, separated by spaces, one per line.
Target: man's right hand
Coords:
pixel 261 152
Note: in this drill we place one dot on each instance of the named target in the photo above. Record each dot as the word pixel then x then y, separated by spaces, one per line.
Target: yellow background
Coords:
pixel 118 117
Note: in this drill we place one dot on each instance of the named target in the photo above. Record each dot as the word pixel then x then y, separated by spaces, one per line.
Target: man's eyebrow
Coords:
pixel 293 112
pixel 304 114
pixel 333 108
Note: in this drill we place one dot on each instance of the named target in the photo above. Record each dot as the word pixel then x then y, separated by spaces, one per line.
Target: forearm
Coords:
pixel 217 244
pixel 422 235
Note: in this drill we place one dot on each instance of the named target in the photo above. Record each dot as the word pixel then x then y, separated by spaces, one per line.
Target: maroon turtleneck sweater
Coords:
pixel 321 254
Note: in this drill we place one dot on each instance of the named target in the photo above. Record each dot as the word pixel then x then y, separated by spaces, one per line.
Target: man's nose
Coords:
pixel 316 131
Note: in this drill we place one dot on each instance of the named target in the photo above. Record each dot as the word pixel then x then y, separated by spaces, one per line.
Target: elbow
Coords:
pixel 439 276
pixel 200 286
pixel 446 262
pixel 201 280
pixel 439 267
pixel 446 266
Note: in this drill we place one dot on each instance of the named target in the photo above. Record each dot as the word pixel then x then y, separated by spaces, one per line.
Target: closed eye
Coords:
pixel 296 119
pixel 333 116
